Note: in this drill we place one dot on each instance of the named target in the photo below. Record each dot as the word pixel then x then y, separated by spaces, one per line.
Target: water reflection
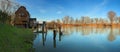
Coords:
pixel 95 30
pixel 54 38
pixel 111 36
pixel 80 39
pixel 60 34
pixel 44 35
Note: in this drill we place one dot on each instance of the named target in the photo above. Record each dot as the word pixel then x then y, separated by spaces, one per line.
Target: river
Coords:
pixel 79 39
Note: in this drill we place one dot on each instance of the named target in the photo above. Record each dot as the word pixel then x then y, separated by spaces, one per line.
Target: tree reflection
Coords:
pixel 101 30
pixel 111 36
pixel 113 32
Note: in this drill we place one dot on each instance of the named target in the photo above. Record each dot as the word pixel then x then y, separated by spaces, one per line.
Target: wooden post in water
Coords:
pixel 46 28
pixel 37 27
pixel 54 38
pixel 54 34
pixel 43 26
pixel 59 27
pixel 43 39
pixel 60 32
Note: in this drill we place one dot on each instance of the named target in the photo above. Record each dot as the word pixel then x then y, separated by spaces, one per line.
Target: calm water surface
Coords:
pixel 79 39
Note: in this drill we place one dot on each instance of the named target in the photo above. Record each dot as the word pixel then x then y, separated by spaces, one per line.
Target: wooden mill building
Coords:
pixel 22 18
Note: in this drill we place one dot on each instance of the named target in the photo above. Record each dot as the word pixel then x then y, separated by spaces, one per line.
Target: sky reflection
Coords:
pixel 85 39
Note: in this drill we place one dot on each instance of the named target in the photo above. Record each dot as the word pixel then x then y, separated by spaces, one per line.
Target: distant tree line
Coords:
pixel 112 19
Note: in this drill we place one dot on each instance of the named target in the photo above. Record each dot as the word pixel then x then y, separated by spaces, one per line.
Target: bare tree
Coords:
pixel 96 19
pixel 58 21
pixel 119 19
pixel 91 20
pixel 82 19
pixel 66 20
pixel 63 21
pixel 76 21
pixel 111 16
pixel 71 20
pixel 85 19
pixel 8 6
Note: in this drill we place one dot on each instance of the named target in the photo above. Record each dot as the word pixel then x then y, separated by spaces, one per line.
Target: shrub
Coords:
pixel 4 17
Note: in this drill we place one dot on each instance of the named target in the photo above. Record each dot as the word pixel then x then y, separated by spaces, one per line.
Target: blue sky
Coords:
pixel 56 9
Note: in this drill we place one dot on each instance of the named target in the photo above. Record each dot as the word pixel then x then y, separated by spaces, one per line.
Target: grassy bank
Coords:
pixel 14 39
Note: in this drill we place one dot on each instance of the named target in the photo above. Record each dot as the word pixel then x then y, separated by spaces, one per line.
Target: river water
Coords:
pixel 79 39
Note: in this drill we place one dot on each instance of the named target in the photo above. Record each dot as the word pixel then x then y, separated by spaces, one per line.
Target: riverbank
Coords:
pixel 14 39
pixel 93 25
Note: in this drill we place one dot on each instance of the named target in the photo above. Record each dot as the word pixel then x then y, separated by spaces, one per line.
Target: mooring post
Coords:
pixel 60 32
pixel 37 27
pixel 54 38
pixel 46 28
pixel 59 27
pixel 43 26
pixel 43 39
pixel 54 34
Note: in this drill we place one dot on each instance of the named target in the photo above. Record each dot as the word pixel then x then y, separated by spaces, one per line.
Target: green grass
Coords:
pixel 14 39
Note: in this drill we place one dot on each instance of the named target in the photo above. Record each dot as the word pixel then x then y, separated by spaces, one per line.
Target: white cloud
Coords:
pixel 60 7
pixel 59 12
pixel 104 2
pixel 42 11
